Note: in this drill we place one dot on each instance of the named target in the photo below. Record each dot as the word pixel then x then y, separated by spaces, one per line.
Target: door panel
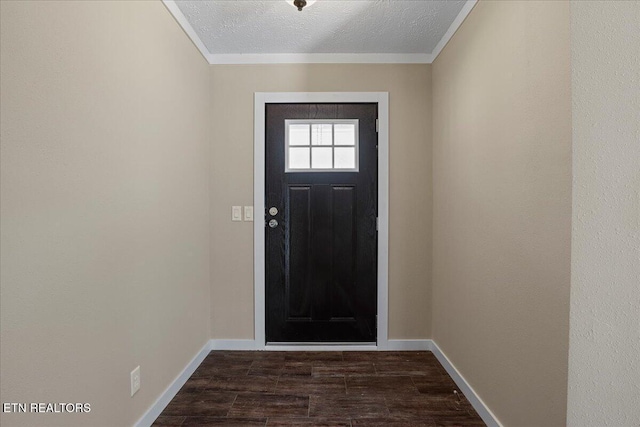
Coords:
pixel 298 286
pixel 342 291
pixel 321 258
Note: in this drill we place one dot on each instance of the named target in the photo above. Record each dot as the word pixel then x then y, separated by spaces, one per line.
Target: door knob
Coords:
pixel 273 211
pixel 273 223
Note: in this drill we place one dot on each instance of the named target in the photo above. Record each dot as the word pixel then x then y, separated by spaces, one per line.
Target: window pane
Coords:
pixel 299 158
pixel 298 134
pixel 345 134
pixel 345 158
pixel 321 134
pixel 321 158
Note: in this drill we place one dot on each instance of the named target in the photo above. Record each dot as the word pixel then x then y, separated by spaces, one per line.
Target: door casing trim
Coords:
pixel 260 101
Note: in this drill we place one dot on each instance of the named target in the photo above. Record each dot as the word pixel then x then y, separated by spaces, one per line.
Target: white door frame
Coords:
pixel 263 98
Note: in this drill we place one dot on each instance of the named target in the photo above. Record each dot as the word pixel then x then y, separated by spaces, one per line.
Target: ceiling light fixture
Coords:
pixel 301 3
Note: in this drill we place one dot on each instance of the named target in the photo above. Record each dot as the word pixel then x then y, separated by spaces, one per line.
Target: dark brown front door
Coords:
pixel 321 209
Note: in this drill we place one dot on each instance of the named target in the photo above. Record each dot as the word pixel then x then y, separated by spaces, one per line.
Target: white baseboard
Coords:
pixel 391 345
pixel 481 408
pixel 233 345
pixel 253 345
pixel 156 409
pixel 409 345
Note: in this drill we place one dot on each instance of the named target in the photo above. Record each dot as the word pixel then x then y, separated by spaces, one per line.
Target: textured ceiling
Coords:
pixel 327 26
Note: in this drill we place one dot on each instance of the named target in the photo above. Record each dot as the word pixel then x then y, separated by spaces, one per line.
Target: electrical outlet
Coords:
pixel 135 380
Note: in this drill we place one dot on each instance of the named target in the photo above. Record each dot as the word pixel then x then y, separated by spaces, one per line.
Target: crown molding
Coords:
pixel 464 12
pixel 321 58
pixel 187 28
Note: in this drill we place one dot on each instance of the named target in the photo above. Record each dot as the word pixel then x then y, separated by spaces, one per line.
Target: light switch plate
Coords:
pixel 248 213
pixel 236 213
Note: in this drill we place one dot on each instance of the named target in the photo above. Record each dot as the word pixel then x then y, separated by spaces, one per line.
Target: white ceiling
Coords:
pixel 248 31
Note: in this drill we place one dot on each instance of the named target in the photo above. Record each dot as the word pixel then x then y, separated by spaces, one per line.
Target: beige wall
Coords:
pixel 502 207
pixel 604 367
pixel 104 208
pixel 232 90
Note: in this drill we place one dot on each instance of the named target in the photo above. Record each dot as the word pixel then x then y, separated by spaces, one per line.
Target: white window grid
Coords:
pixel 310 122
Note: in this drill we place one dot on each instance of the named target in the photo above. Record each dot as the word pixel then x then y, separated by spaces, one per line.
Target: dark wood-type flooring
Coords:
pixel 263 388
